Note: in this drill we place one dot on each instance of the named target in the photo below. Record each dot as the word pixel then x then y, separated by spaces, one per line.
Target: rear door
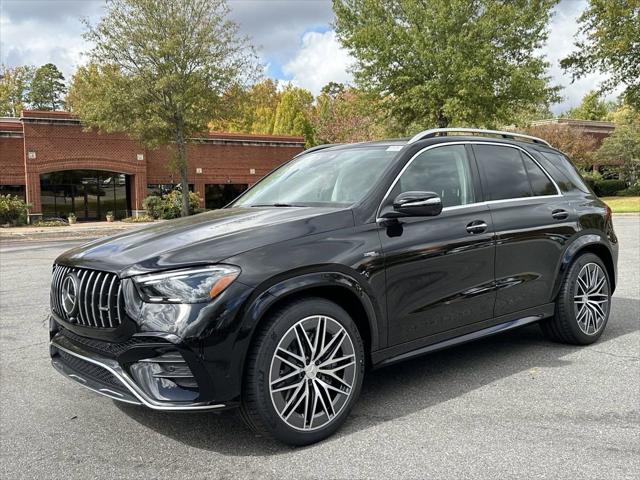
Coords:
pixel 439 270
pixel 532 221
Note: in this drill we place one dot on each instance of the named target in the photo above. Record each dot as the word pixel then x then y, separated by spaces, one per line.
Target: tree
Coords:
pixel 608 43
pixel 622 147
pixel 592 107
pixel 346 115
pixel 159 71
pixel 576 143
pixel 14 89
pixel 449 61
pixel 292 113
pixel 251 110
pixel 47 88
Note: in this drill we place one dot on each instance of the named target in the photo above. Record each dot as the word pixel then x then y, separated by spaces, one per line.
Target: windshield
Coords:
pixel 326 178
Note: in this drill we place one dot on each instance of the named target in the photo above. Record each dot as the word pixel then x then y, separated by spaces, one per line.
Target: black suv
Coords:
pixel 346 258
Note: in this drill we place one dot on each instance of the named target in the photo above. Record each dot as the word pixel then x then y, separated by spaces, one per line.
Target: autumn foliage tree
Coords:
pixel 159 71
pixel 14 89
pixel 576 143
pixel 346 115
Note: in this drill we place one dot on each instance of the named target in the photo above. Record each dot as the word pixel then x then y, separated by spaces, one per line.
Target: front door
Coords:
pixel 439 270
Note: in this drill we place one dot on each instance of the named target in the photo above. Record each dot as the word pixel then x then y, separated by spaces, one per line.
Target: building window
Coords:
pixel 219 195
pixel 161 189
pixel 16 190
pixel 90 194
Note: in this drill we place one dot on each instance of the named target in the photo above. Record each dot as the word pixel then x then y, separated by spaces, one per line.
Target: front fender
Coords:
pixel 266 296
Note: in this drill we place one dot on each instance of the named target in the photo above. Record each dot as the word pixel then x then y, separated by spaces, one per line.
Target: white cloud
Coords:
pixel 562 29
pixel 39 32
pixel 319 60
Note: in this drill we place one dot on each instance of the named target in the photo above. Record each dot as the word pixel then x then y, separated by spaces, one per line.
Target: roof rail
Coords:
pixel 434 132
pixel 317 148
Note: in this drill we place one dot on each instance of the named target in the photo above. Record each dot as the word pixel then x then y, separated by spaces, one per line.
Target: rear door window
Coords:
pixel 508 174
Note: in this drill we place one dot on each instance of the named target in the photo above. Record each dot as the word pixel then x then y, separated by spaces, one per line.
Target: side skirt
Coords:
pixel 398 353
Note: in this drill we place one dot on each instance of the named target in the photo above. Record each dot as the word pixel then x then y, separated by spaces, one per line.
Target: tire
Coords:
pixel 286 395
pixel 575 322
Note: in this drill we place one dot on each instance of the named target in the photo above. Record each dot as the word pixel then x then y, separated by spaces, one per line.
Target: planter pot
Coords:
pixel 72 221
pixel 109 218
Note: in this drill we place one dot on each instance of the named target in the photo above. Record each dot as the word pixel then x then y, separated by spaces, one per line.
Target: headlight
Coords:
pixel 189 285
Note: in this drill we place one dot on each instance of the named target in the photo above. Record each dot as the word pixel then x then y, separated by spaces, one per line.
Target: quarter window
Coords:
pixel 563 172
pixel 444 170
pixel 506 174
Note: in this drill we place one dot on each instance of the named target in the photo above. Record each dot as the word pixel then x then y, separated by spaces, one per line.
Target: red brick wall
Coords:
pixel 11 161
pixel 65 146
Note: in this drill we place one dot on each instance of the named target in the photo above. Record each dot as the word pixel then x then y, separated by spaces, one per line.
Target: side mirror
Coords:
pixel 417 204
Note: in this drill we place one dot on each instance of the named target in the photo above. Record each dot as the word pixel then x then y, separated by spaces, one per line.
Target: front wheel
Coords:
pixel 583 304
pixel 304 372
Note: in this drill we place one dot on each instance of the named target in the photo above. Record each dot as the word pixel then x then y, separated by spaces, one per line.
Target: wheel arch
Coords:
pixel 338 287
pixel 588 243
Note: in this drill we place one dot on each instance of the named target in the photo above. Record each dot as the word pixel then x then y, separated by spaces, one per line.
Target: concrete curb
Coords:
pixel 71 232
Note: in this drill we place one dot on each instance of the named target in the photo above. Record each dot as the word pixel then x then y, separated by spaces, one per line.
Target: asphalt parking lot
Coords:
pixel 511 406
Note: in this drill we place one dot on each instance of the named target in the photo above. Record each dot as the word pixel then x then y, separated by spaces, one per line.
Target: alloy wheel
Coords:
pixel 313 372
pixel 591 299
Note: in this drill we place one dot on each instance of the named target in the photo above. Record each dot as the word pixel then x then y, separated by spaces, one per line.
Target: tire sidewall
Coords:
pixel 569 291
pixel 284 320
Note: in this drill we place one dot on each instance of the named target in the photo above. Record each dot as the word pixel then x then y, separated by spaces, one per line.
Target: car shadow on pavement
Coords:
pixel 397 390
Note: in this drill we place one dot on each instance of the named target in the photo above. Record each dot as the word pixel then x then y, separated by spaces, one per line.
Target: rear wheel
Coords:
pixel 304 372
pixel 583 304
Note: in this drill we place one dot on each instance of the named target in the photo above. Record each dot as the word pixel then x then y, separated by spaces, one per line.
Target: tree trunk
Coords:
pixel 441 120
pixel 181 164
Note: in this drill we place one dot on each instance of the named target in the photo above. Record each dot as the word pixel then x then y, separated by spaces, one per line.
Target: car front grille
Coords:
pixel 87 297
pixel 107 349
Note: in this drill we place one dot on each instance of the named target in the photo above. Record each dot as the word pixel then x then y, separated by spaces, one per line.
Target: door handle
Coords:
pixel 477 226
pixel 560 214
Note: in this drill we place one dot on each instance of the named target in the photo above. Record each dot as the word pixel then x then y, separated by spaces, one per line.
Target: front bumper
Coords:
pixel 106 376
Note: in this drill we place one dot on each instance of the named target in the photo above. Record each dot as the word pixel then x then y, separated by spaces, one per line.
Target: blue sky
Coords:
pixel 295 39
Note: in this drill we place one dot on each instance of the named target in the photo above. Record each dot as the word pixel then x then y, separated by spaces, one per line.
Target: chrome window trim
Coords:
pixel 487 202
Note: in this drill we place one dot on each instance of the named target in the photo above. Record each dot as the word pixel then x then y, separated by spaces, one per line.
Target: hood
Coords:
pixel 208 237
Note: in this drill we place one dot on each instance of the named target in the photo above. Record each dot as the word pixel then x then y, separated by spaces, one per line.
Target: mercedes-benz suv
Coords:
pixel 345 259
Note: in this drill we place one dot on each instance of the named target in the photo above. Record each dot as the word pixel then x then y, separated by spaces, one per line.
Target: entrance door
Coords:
pixel 90 194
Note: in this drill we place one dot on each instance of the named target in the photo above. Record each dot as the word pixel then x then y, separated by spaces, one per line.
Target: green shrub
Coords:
pixel 173 204
pixel 13 210
pixel 153 205
pixel 170 205
pixel 609 188
pixel 591 177
pixel 140 219
pixel 632 191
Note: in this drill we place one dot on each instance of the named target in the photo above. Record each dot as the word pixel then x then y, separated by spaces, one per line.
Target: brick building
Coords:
pixel 594 128
pixel 58 168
